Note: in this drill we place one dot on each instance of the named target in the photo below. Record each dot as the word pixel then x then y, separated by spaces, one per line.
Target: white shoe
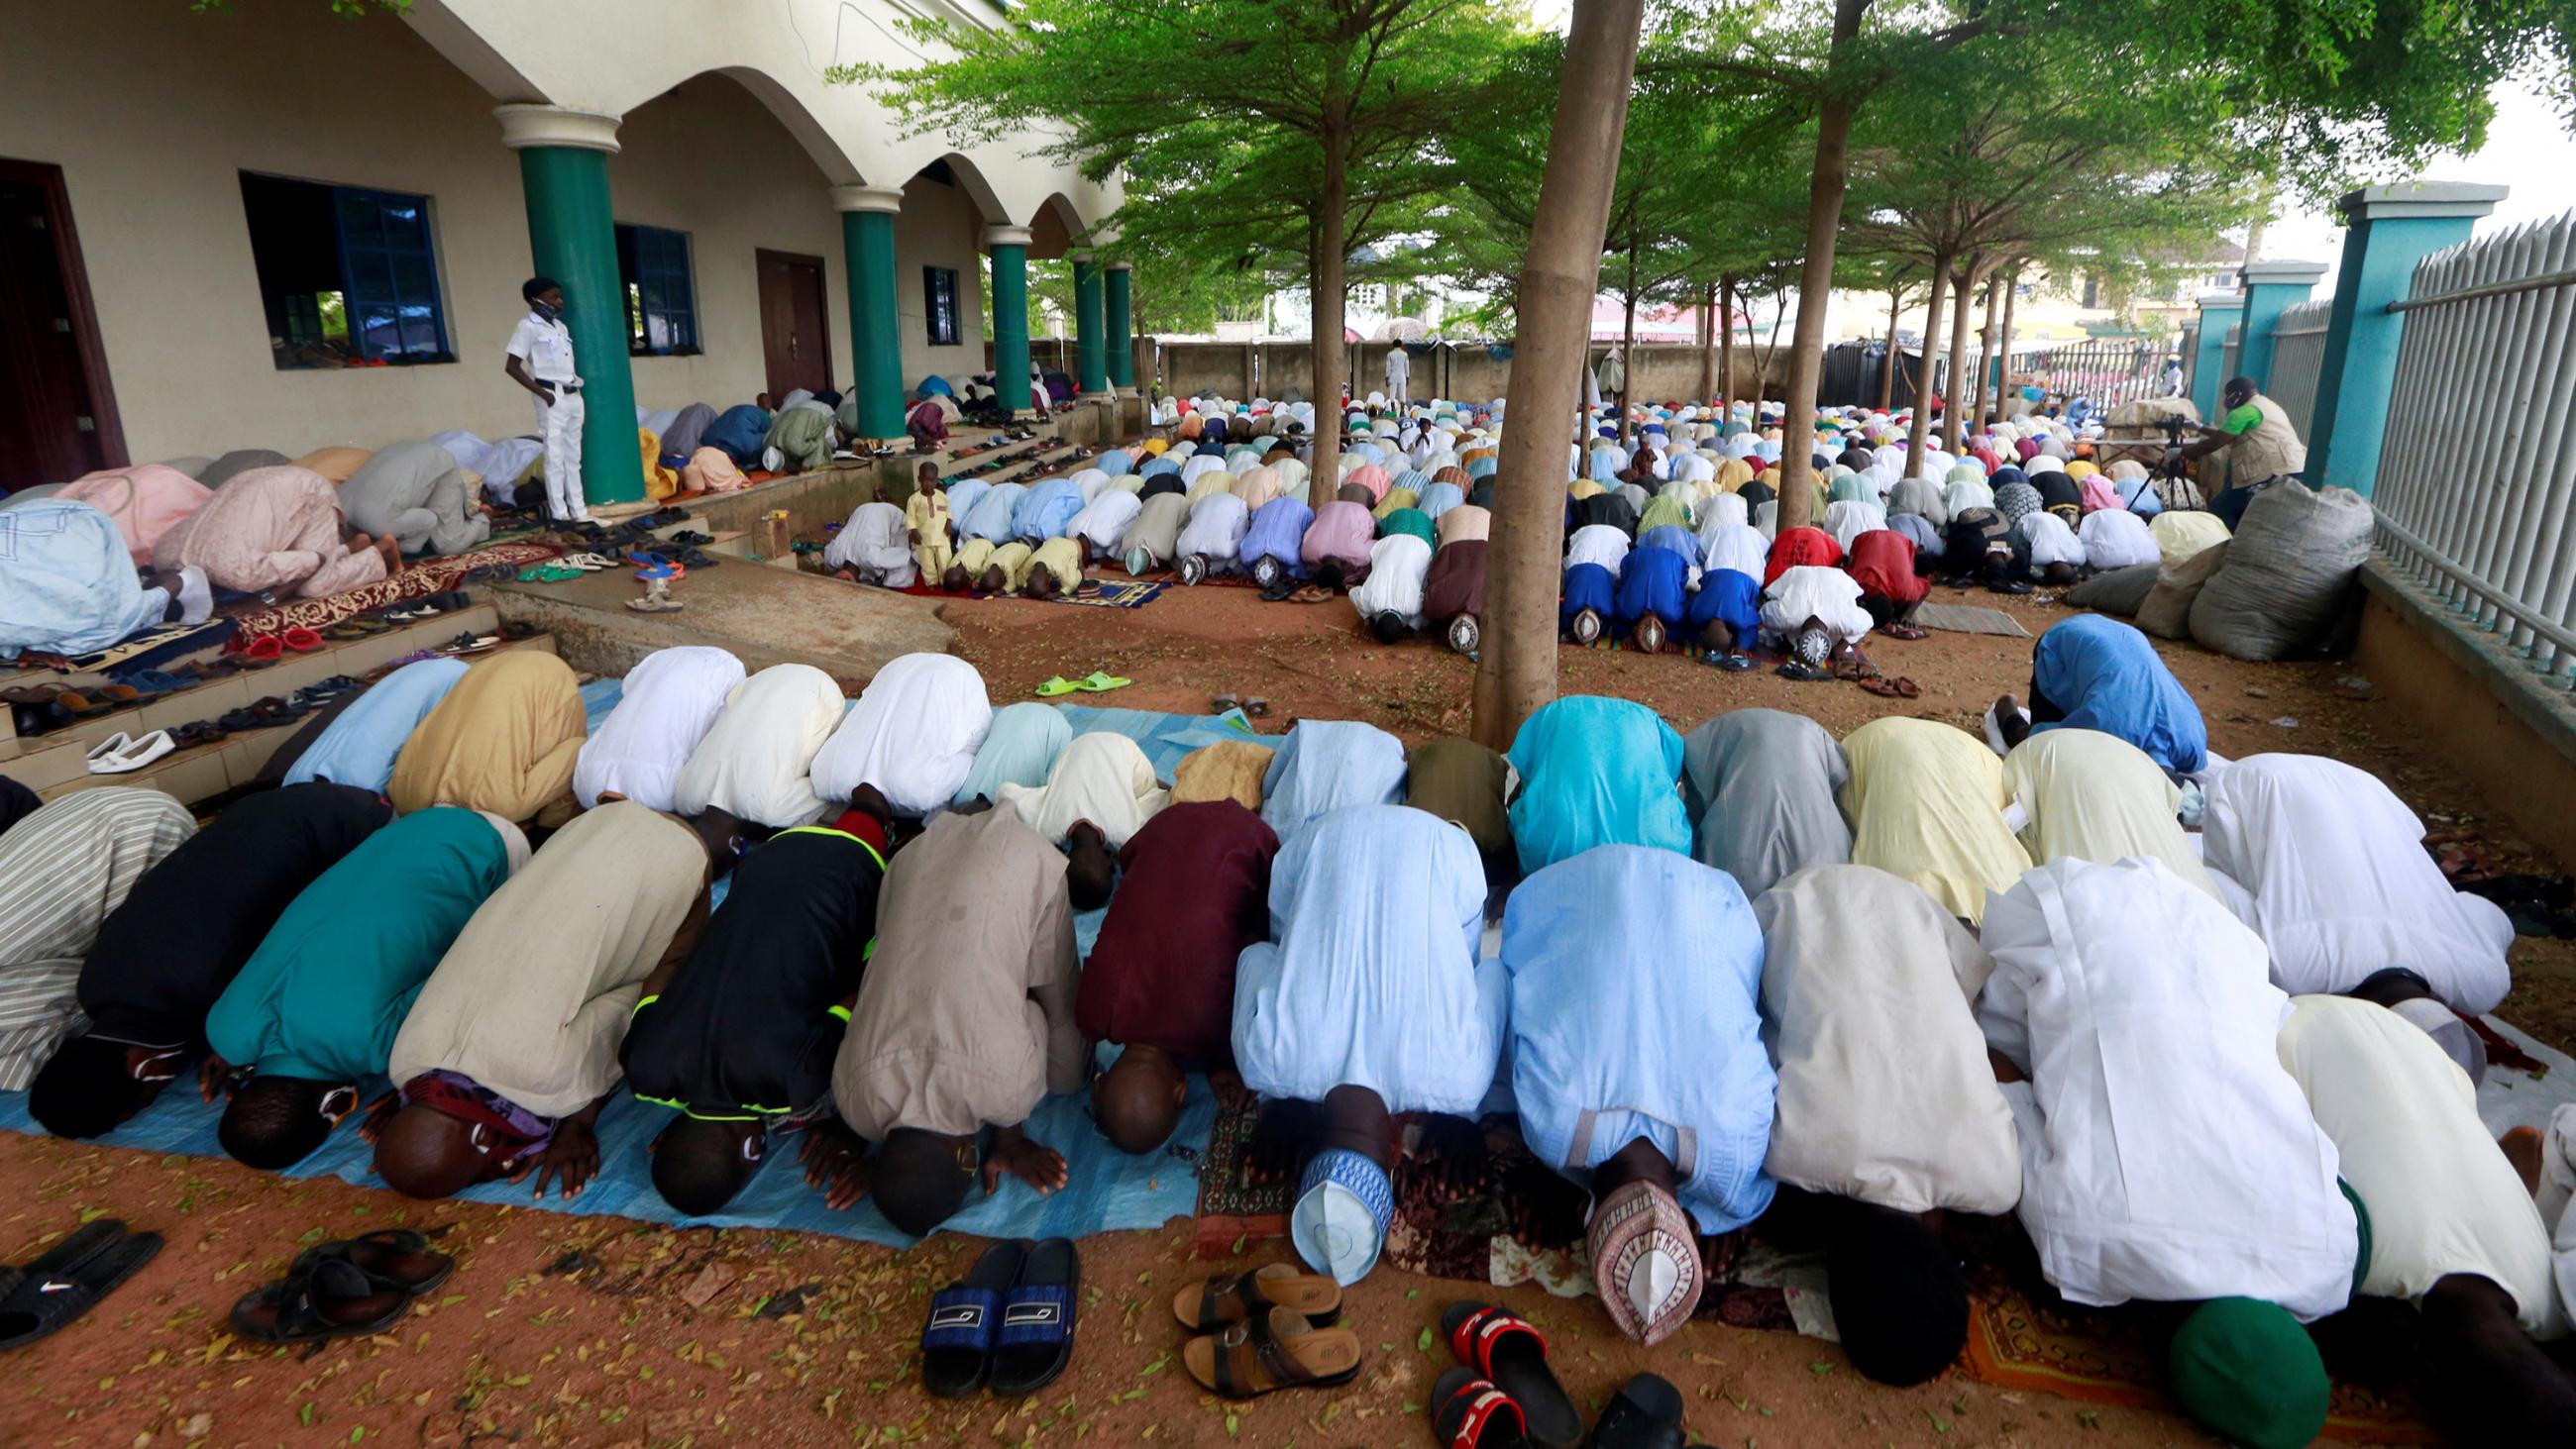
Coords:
pixel 108 749
pixel 136 754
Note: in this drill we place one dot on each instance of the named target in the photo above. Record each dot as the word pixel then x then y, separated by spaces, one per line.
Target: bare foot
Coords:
pixel 1452 1152
pixel 1281 1142
pixel 392 550
pixel 1231 1093
pixel 2523 1147
pixel 1026 1158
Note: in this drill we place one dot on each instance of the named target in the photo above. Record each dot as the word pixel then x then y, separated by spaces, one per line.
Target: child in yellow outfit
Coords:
pixel 925 520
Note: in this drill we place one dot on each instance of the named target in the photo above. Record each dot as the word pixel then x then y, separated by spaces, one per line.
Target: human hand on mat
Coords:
pixel 214 1078
pixel 1026 1158
pixel 379 1112
pixel 571 1160
pixel 1451 1152
pixel 1231 1093
pixel 831 1154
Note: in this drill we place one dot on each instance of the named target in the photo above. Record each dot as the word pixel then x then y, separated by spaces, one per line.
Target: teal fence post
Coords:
pixel 2218 312
pixel 2270 288
pixel 572 235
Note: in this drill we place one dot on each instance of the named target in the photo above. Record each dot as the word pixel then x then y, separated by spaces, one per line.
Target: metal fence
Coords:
pixel 2298 354
pixel 2109 371
pixel 2477 473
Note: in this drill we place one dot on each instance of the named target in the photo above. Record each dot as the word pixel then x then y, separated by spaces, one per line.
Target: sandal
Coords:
pixel 1509 1350
pixel 1733 663
pixel 70 1279
pixel 1906 631
pixel 1054 687
pixel 1234 1297
pixel 81 706
pixel 1799 669
pixel 1256 708
pixel 394 1259
pixel 1220 703
pixel 1264 1355
pixel 1097 682
pixel 332 1300
pixel 1908 689
pixel 1470 1413
pixel 300 639
pixel 1036 1338
pixel 1647 1414
pixel 1883 688
pixel 965 1319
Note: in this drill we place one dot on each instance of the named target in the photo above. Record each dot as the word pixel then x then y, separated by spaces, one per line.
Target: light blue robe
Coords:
pixel 1278 531
pixel 2106 676
pixel 992 514
pixel 1045 509
pixel 1593 772
pixel 1324 765
pixel 1019 749
pixel 360 744
pixel 1371 977
pixel 67 581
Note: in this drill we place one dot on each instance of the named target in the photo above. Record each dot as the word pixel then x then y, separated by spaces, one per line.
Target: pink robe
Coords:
pixel 145 502
pixel 270 529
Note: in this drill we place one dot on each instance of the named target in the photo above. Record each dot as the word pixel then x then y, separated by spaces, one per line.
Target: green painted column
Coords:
pixel 2270 288
pixel 2389 230
pixel 876 326
pixel 1090 350
pixel 572 235
pixel 2218 312
pixel 1009 318
pixel 1119 308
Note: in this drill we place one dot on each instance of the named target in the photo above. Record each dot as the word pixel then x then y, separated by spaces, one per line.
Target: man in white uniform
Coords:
pixel 1399 371
pixel 541 361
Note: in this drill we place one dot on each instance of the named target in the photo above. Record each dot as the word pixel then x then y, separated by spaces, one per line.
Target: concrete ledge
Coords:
pixel 2476 703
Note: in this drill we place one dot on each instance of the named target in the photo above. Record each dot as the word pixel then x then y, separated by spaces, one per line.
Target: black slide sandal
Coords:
pixel 1470 1413
pixel 397 1260
pixel 965 1318
pixel 1509 1350
pixel 1036 1338
pixel 334 1300
pixel 67 1282
pixel 1647 1414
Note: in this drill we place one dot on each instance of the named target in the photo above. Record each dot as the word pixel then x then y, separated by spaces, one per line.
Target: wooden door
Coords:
pixel 57 418
pixel 795 337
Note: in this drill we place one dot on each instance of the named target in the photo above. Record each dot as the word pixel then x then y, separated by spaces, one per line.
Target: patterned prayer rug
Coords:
pixel 1114 593
pixel 138 651
pixel 416 581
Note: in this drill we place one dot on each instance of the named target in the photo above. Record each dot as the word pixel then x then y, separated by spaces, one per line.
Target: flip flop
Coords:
pixel 1059 685
pixel 300 639
pixel 1220 703
pixel 334 1300
pixel 70 1279
pixel 1256 708
pixel 1735 663
pixel 1470 1413
pixel 965 1320
pixel 395 1259
pixel 1264 1355
pixel 1907 688
pixel 1036 1340
pixel 1647 1414
pixel 1097 682
pixel 1509 1350
pixel 1884 688
pixel 1234 1297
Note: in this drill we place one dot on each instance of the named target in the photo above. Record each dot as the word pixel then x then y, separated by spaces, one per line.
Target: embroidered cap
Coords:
pixel 1344 1203
pixel 1645 1261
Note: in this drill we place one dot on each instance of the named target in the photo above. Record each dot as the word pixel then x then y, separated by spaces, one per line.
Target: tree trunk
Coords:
pixel 1726 353
pixel 1708 341
pixel 1887 379
pixel 2003 368
pixel 1920 429
pixel 1516 672
pixel 1825 187
pixel 1628 351
pixel 1960 398
pixel 1985 349
pixel 1330 272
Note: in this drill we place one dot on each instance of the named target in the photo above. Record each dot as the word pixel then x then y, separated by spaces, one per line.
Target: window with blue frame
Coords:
pixel 661 297
pixel 348 276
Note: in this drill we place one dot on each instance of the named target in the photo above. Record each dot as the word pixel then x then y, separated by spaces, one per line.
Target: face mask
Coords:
pixel 549 313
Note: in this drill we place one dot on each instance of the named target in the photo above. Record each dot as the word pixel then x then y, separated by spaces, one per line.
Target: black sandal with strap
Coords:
pixel 396 1260
pixel 1235 1297
pixel 333 1300
pixel 69 1280
pixel 1264 1355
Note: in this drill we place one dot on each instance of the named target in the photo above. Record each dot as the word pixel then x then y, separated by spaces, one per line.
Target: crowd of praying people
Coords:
pixel 2200 1026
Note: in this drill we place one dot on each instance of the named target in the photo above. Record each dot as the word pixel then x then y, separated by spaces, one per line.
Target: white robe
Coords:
pixel 665 706
pixel 1827 595
pixel 2166 1155
pixel 1596 543
pixel 2051 541
pixel 2115 538
pixel 1215 532
pixel 1101 777
pixel 756 761
pixel 875 545
pixel 1398 564
pixel 1104 521
pixel 913 735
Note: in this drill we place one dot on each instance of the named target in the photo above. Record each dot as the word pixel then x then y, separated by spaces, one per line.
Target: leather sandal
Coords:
pixel 1264 1355
pixel 1235 1297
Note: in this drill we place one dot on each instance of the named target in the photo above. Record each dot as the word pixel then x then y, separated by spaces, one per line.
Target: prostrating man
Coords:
pixel 180 936
pixel 2453 1228
pixel 507 1056
pixel 1153 540
pixel 1926 801
pixel 1160 979
pixel 64 872
pixel 965 1021
pixel 1101 780
pixel 415 494
pixel 1390 600
pixel 1653 598
pixel 990 517
pixel 314 1011
pixel 913 735
pixel 756 761
pixel 738 1036
pixel 874 547
pixel 2096 673
pixel 1323 765
pixel 2086 794
pixel 1882 563
pixel 1725 619
pixel 360 744
pixel 665 706
pixel 1212 541
pixel 1887 1107
pixel 2334 877
pixel 1467 785
pixel 1453 591
pixel 1585 599
pixel 71 588
pixel 1101 527
pixel 1762 785
pixel 1019 749
pixel 1272 543
pixel 1375 913
pixel 504 739
pixel 1595 771
pixel 1637 1063
pixel 274 531
pixel 1335 547
pixel 2166 1154
pixel 1818 610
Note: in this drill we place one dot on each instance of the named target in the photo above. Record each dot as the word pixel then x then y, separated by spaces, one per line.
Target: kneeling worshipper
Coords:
pixel 965 1020
pixel 361 743
pixel 1453 591
pixel 2166 1153
pixel 1226 770
pixel 1101 527
pixel 144 502
pixel 1052 568
pixel 756 762
pixel 1019 749
pixel 1762 785
pixel 504 740
pixel 1159 982
pixel 1638 1066
pixel 64 872
pixel 2096 673
pixel 314 1010
pixel 273 531
pixel 1390 599
pixel 1595 771
pixel 1725 619
pixel 1926 801
pixel 1273 540
pixel 415 494
pixel 2328 865
pixel 1818 611
pixel 665 706
pixel 71 589
pixel 1653 599
pixel 1882 563
pixel 913 735
pixel 1212 541
pixel 1101 780
pixel 1376 913
pixel 507 1056
pixel 184 930
pixel 2056 554
pixel 1044 511
pixel 1466 784
pixel 737 1036
pixel 1335 546
pixel 2088 795
pixel 2450 1226
pixel 1585 599
pixel 989 517
pixel 1322 765
pixel 1153 539
pixel 873 547
pixel 1888 1110
pixel 2115 538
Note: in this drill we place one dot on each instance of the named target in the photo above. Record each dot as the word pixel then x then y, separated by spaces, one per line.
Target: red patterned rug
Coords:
pixel 416 581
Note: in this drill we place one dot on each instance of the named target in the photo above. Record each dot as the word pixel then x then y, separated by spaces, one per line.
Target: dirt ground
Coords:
pixel 561 1330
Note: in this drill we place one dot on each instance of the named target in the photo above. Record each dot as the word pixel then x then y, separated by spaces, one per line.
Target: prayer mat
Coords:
pixel 1114 594
pixel 416 581
pixel 1970 619
pixel 139 651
